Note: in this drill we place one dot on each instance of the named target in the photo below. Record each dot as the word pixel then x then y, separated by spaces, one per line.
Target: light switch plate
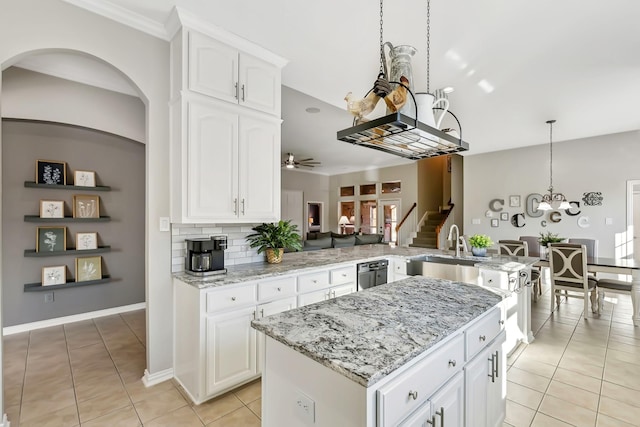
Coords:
pixel 475 221
pixel 306 408
pixel 608 221
pixel 165 224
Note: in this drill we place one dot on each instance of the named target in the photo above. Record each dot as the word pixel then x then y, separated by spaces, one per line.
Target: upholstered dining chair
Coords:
pixel 611 285
pixel 591 245
pixel 533 245
pixel 521 248
pixel 568 264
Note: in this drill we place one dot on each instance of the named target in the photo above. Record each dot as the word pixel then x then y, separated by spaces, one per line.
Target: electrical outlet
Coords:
pixel 48 297
pixel 306 408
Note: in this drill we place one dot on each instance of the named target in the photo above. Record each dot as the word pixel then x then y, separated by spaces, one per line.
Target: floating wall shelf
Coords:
pixel 37 287
pixel 33 184
pixel 36 218
pixel 33 253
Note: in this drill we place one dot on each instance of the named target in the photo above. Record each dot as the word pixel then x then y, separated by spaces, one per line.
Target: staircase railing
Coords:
pixel 409 219
pixel 442 230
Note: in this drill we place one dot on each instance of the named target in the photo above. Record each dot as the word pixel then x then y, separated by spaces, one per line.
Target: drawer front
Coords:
pixel 413 387
pixel 313 281
pixel 343 275
pixel 281 287
pixel 483 332
pixel 230 298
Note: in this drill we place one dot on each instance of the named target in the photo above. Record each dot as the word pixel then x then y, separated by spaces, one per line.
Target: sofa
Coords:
pixel 316 241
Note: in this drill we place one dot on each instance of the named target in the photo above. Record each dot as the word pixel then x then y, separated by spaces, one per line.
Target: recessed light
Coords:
pixel 312 110
pixel 448 89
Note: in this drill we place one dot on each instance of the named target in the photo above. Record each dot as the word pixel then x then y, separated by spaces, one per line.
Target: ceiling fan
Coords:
pixel 291 163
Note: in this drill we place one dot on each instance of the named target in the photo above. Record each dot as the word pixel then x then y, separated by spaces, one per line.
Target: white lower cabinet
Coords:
pixel 230 349
pixel 485 386
pixel 444 409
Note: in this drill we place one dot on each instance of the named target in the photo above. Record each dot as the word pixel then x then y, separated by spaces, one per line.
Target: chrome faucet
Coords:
pixel 457 240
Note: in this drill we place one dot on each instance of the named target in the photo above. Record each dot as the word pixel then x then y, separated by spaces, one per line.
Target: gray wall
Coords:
pixel 119 163
pixel 601 164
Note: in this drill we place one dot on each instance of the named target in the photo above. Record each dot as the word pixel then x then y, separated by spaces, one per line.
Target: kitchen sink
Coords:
pixel 457 269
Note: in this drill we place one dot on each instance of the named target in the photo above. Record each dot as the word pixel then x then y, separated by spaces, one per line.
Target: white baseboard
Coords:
pixel 152 379
pixel 25 327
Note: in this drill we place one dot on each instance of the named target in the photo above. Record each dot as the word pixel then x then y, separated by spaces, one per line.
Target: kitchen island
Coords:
pixel 397 353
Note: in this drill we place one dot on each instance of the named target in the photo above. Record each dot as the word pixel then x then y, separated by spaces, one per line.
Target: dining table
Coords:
pixel 625 266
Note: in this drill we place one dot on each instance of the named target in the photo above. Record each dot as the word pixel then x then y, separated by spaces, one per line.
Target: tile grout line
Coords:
pixel 73 378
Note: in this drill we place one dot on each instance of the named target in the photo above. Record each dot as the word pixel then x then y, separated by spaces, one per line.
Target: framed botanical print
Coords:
pixel 504 216
pixel 51 172
pixel 84 178
pixel 514 201
pixel 88 268
pixel 86 241
pixel 86 206
pixel 495 222
pixel 51 209
pixel 51 239
pixel 56 275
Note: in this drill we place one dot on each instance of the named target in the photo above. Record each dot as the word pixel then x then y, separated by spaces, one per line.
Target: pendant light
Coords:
pixel 398 133
pixel 550 197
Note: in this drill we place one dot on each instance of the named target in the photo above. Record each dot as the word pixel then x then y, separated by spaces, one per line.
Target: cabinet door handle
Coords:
pixel 493 368
pixel 235 206
pixel 242 93
pixel 452 363
pixel 235 89
pixel 441 414
pixel 413 395
pixel 497 364
pixel 483 337
pixel 242 206
pixel 314 281
pixel 254 315
pixel 262 312
pixel 432 421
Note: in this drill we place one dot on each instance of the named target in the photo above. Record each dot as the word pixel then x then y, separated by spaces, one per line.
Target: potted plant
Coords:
pixel 479 244
pixel 274 238
pixel 545 239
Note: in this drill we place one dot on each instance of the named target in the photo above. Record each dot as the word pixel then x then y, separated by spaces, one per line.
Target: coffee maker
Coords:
pixel 205 257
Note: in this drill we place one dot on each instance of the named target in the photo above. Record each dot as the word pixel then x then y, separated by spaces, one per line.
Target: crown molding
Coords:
pixel 123 16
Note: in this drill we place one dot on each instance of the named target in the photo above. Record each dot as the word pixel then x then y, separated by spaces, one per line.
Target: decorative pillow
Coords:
pixel 344 241
pixel 317 235
pixel 368 239
pixel 322 243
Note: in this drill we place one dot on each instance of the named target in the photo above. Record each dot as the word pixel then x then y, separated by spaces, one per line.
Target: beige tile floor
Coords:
pixel 577 372
pixel 88 374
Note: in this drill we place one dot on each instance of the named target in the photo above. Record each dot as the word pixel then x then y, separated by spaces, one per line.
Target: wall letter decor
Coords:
pixel 575 209
pixel 533 200
pixel 492 205
pixel 517 220
pixel 555 216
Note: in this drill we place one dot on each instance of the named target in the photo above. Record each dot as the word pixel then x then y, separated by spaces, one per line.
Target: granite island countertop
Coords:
pixel 299 262
pixel 368 334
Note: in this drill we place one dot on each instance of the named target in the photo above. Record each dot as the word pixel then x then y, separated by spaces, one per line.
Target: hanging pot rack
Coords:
pixel 399 134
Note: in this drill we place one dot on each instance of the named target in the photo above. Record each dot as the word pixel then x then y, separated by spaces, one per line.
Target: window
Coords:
pixel 347 191
pixel 391 187
pixel 367 189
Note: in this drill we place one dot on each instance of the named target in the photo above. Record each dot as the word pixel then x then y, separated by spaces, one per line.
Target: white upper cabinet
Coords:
pixel 219 70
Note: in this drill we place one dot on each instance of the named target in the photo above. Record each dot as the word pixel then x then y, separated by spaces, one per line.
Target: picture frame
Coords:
pixel 54 275
pixel 84 178
pixel 88 268
pixel 504 216
pixel 86 206
pixel 51 239
pixel 51 209
pixel 86 241
pixel 495 222
pixel 51 172
pixel 514 201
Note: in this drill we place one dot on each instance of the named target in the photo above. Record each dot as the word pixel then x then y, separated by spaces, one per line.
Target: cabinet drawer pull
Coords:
pixel 452 362
pixel 483 337
pixel 501 322
pixel 413 395
pixel 279 289
pixel 233 298
pixel 314 281
pixel 344 274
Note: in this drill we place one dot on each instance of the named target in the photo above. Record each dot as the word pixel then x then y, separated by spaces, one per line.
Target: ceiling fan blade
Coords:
pixel 311 163
pixel 305 160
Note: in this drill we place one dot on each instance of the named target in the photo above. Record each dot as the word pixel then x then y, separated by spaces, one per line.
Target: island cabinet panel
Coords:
pixel 485 386
pixel 312 297
pixel 401 397
pixel 483 332
pixel 447 404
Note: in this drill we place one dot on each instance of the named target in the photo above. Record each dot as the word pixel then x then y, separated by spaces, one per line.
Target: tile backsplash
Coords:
pixel 238 250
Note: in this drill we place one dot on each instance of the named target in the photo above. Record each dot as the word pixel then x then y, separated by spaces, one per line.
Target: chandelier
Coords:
pixel 549 198
pixel 398 133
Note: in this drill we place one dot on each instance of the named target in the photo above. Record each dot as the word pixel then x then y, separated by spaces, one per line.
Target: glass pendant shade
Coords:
pixel 544 206
pixel 564 205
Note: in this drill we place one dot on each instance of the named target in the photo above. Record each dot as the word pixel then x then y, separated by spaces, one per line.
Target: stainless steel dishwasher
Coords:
pixel 372 273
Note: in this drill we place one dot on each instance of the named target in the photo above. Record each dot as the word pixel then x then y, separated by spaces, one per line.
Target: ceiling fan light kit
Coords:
pixel 290 162
pixel 400 134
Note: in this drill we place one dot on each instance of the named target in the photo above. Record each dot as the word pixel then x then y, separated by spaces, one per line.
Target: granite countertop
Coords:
pixel 368 334
pixel 299 262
